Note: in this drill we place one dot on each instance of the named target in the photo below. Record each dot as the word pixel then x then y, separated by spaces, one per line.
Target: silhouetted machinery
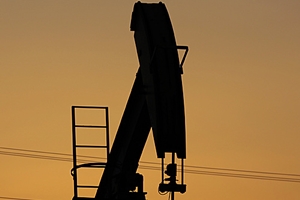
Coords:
pixel 155 101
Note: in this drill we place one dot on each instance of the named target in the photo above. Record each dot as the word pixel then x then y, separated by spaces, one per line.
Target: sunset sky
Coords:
pixel 241 85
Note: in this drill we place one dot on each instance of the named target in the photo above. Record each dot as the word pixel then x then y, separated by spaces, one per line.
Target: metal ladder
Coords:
pixel 80 163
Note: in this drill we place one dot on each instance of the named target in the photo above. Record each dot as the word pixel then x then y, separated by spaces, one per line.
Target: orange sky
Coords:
pixel 241 83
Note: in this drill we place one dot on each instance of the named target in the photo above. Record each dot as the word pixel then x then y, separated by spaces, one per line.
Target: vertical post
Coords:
pixel 74 151
pixel 162 170
pixel 107 132
pixel 173 162
pixel 182 171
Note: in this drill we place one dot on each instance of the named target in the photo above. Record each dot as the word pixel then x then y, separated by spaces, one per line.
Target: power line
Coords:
pixel 225 172
pixel 190 169
pixel 36 151
pixel 232 175
pixel 146 162
pixel 248 176
pixel 34 156
pixel 246 171
pixel 13 198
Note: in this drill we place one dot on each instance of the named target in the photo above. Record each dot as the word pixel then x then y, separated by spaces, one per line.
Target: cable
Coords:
pixel 12 198
pixel 43 157
pixel 53 153
pixel 249 176
pixel 35 151
pixel 235 173
pixel 155 163
pixel 239 170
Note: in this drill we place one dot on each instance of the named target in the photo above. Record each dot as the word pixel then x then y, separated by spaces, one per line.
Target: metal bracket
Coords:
pixel 186 48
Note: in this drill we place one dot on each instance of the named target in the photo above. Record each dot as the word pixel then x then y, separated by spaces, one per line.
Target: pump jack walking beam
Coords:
pixel 156 101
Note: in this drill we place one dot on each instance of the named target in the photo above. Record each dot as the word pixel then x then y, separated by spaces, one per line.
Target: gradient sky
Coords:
pixel 241 83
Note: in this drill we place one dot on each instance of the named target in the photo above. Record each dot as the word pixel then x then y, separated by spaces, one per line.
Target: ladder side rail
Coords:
pixel 74 172
pixel 107 132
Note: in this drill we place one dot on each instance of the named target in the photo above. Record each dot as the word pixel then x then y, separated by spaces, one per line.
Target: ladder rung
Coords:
pixel 79 198
pixel 87 186
pixel 92 165
pixel 90 146
pixel 91 107
pixel 90 126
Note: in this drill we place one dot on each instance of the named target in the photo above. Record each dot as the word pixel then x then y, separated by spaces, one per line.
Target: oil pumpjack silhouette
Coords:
pixel 156 101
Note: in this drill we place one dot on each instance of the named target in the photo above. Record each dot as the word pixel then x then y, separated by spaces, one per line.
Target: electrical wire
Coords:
pixel 249 176
pixel 147 162
pixel 189 169
pixel 246 171
pixel 13 198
